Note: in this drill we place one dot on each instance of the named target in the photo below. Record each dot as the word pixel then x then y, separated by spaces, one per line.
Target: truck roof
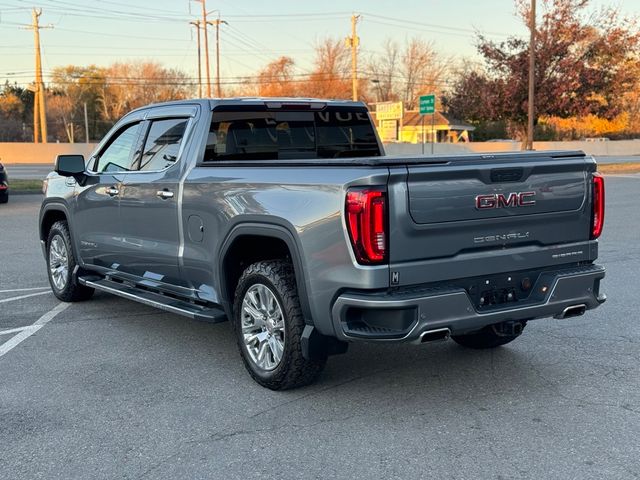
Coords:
pixel 213 102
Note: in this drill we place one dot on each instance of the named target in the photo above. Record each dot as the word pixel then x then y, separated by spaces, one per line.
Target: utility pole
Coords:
pixel 206 45
pixel 36 114
pixel 217 25
pixel 353 41
pixel 197 25
pixel 86 124
pixel 39 107
pixel 532 68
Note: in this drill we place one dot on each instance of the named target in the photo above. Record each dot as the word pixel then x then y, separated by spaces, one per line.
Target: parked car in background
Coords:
pixel 4 185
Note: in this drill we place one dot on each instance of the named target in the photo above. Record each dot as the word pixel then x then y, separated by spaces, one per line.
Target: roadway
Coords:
pixel 112 389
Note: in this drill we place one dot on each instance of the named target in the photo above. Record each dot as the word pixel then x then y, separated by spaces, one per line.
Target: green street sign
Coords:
pixel 427 104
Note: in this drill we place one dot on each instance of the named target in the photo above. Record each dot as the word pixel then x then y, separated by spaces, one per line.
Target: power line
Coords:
pixel 110 13
pixel 404 22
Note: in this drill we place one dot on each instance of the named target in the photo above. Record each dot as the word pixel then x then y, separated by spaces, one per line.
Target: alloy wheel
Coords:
pixel 263 327
pixel 58 262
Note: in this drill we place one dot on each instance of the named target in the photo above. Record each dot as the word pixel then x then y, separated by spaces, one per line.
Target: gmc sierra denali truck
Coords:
pixel 285 217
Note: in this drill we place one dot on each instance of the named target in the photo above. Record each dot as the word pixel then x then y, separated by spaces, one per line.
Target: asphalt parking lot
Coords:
pixel 113 389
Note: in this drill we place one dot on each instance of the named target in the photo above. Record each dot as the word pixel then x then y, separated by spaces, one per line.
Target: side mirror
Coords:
pixel 69 165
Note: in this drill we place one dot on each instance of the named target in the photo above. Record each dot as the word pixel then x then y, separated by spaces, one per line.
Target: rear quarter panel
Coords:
pixel 307 201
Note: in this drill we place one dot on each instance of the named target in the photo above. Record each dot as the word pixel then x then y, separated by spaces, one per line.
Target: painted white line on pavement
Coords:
pixel 23 289
pixel 15 330
pixel 26 333
pixel 13 299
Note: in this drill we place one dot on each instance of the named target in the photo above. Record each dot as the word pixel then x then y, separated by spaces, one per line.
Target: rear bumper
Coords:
pixel 404 315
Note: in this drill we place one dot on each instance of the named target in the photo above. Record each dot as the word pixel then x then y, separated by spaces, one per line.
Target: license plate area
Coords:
pixel 499 291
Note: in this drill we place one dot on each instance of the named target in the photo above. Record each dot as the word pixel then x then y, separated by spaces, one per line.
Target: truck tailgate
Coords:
pixel 489 214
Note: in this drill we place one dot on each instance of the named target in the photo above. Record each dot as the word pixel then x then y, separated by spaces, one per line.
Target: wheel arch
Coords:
pixel 51 213
pixel 271 239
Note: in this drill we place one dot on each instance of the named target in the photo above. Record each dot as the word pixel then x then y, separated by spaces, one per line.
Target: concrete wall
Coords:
pixel 12 153
pixel 15 152
pixel 617 148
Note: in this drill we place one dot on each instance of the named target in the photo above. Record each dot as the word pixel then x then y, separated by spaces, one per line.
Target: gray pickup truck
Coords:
pixel 286 217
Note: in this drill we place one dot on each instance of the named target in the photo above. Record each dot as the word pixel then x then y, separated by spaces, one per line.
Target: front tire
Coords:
pixel 60 266
pixel 491 336
pixel 268 323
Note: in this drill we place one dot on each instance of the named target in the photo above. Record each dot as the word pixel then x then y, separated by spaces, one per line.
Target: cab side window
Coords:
pixel 163 144
pixel 120 152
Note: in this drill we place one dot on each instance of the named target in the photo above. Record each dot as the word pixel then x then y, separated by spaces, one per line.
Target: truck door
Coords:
pixel 149 205
pixel 96 218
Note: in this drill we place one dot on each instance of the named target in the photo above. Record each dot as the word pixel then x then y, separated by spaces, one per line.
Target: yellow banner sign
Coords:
pixel 389 111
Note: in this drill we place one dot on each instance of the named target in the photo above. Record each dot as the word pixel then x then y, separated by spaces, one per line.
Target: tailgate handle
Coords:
pixel 507 175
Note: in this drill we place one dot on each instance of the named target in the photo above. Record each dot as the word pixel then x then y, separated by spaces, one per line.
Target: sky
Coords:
pixel 101 32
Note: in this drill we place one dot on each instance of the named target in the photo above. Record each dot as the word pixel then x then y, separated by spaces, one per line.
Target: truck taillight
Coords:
pixel 597 218
pixel 366 215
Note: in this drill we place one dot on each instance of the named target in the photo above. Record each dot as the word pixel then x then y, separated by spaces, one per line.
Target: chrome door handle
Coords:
pixel 112 191
pixel 164 194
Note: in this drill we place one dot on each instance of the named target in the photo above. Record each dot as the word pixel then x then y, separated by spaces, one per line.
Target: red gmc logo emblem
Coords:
pixel 498 200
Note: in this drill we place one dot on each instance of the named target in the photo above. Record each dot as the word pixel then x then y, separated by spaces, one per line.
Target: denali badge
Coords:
pixel 502 237
pixel 498 200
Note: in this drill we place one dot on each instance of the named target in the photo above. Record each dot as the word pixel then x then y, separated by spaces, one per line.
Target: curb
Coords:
pixel 25 192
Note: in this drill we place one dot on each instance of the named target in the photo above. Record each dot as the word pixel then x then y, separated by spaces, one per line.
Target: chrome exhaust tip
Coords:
pixel 572 311
pixel 436 335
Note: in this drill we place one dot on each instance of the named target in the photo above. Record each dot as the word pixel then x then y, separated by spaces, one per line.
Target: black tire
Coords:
pixel 293 370
pixel 4 198
pixel 71 291
pixel 489 337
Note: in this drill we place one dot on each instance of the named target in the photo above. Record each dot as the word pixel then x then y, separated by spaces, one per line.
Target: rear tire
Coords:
pixel 489 337
pixel 268 323
pixel 61 263
pixel 4 197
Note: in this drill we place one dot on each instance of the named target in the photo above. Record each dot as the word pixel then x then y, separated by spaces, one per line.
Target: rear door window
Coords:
pixel 162 144
pixel 333 132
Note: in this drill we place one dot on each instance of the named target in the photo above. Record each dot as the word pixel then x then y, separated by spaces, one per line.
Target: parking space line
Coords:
pixel 13 299
pixel 27 332
pixel 23 289
pixel 15 330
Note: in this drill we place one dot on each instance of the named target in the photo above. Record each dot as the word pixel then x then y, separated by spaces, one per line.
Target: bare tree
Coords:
pixel 131 85
pixel 422 70
pixel 383 71
pixel 60 117
pixel 82 85
pixel 277 79
pixel 331 75
pixel 405 74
